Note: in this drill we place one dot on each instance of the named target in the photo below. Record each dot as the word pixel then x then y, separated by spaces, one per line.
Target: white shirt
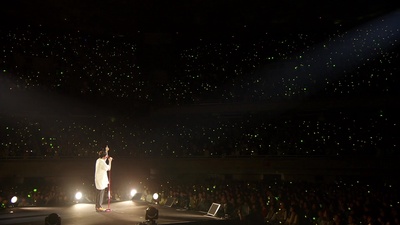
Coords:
pixel 100 176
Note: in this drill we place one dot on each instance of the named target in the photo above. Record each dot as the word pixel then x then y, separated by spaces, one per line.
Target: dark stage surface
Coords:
pixel 127 212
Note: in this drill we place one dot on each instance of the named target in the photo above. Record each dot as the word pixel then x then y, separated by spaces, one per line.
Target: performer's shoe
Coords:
pixel 100 209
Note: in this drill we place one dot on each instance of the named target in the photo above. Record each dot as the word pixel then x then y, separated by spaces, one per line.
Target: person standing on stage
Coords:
pixel 101 177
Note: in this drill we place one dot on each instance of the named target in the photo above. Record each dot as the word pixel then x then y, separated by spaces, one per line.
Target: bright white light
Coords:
pixel 78 195
pixel 14 199
pixel 133 192
pixel 155 196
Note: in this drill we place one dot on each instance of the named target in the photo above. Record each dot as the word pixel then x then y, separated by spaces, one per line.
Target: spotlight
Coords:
pixel 135 196
pixel 14 199
pixel 53 219
pixel 133 192
pixel 155 197
pixel 78 195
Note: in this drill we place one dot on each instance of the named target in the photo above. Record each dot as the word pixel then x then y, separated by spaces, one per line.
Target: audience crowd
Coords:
pixel 65 94
pixel 357 201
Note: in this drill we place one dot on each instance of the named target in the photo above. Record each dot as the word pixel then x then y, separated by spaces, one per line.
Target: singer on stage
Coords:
pixel 101 178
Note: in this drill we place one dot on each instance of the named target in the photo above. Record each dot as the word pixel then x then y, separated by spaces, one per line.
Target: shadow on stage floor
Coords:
pixel 121 213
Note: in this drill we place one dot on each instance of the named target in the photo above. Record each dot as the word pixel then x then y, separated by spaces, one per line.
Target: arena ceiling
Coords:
pixel 127 17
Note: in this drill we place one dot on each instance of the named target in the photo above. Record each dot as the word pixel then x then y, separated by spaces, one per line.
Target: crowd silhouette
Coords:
pixel 352 201
pixel 352 95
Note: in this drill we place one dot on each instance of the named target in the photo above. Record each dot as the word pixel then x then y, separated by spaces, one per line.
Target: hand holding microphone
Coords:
pixel 108 157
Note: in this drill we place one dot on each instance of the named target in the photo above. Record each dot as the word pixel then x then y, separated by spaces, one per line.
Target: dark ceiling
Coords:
pixel 127 17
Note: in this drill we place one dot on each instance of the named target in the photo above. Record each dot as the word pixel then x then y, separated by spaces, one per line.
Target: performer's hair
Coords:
pixel 102 154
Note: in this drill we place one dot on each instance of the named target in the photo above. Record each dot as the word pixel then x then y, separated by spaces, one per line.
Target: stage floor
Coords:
pixel 128 212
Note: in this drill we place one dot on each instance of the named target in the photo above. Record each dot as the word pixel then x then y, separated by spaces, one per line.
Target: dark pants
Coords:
pixel 99 198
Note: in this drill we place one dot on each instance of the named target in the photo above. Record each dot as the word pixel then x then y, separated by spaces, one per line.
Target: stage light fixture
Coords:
pixel 14 199
pixel 53 219
pixel 155 197
pixel 133 192
pixel 78 195
pixel 151 214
